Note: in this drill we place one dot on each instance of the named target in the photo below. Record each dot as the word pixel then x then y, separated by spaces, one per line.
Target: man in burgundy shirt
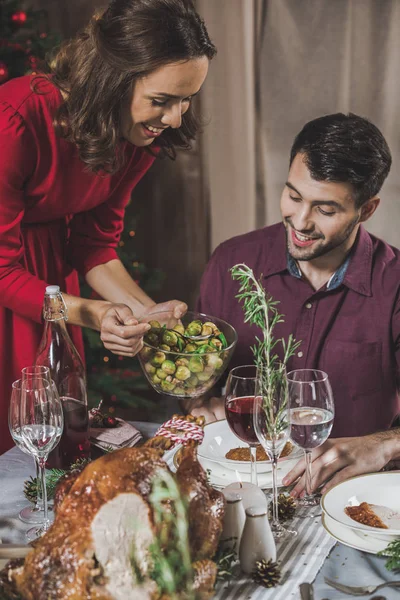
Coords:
pixel 338 287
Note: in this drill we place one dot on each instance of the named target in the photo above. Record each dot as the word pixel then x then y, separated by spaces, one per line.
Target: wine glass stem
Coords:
pixel 275 518
pixel 308 473
pixel 39 495
pixel 42 471
pixel 253 465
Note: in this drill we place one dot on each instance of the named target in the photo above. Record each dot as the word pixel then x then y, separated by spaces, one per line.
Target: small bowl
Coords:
pixel 209 365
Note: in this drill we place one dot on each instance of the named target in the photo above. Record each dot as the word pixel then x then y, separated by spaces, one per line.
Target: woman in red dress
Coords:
pixel 73 147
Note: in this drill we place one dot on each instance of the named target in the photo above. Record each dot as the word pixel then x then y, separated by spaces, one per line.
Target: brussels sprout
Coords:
pixel 196 364
pixel 170 338
pixel 201 343
pixel 190 348
pixel 211 325
pixel 149 368
pixel 192 381
pixel 168 367
pixel 205 349
pixel 206 330
pixel 167 386
pixel 165 347
pixel 161 374
pixel 146 353
pixel 182 362
pixel 194 328
pixel 214 361
pixel 155 379
pixel 179 391
pixel 204 376
pixel 182 373
pixel 216 343
pixel 179 328
pixel 151 338
pixel 158 359
pixel 154 324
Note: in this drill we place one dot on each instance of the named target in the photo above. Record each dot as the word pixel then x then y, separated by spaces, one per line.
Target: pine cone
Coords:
pixel 286 507
pixel 267 573
pixel 31 489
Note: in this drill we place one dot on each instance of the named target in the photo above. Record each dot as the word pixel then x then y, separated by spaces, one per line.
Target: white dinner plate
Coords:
pixel 219 439
pixel 352 538
pixel 376 488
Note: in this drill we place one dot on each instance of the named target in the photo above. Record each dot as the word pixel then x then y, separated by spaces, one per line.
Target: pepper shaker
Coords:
pixel 257 541
pixel 234 521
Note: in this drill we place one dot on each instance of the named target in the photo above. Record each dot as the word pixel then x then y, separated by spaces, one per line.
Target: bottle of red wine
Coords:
pixel 57 351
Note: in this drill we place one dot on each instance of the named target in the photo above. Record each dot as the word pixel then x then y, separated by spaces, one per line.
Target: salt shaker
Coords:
pixel 234 521
pixel 257 541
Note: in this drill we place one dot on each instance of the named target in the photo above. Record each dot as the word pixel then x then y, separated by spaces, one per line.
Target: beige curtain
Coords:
pixel 311 57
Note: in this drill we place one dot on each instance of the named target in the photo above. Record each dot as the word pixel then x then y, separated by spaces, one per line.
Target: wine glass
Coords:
pixel 41 423
pixel 311 417
pixel 239 407
pixel 34 514
pixel 271 424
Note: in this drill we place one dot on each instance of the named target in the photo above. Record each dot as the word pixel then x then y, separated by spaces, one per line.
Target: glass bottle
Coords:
pixel 57 351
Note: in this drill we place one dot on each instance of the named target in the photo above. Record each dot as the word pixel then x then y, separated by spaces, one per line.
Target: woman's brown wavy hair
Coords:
pixel 97 70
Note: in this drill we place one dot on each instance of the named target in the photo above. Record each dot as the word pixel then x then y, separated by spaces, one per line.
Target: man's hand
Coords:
pixel 342 458
pixel 120 331
pixel 212 409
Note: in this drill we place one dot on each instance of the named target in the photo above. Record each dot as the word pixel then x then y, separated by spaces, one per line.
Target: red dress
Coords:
pixel 56 219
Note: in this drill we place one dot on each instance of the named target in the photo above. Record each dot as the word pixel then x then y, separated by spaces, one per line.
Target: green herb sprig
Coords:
pixel 392 552
pixel 260 309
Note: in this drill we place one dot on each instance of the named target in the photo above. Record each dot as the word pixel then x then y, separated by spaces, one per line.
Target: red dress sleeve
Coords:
pixel 94 234
pixel 19 290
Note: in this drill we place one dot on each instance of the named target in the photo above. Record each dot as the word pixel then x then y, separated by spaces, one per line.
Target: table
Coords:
pixel 344 564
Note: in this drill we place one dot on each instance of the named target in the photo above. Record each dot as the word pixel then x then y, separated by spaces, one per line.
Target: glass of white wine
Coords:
pixel 311 418
pixel 41 426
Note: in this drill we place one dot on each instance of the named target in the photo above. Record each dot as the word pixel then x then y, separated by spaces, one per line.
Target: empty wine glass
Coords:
pixel 29 514
pixel 271 424
pixel 239 407
pixel 311 417
pixel 41 422
pixel 34 514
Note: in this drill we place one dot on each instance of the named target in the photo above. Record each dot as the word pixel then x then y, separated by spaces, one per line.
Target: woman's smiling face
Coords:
pixel 161 99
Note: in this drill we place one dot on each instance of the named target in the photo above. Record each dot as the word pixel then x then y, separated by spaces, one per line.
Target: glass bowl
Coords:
pixel 197 366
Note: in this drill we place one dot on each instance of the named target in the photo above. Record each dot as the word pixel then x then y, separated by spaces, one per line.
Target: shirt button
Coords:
pixel 300 354
pixel 308 305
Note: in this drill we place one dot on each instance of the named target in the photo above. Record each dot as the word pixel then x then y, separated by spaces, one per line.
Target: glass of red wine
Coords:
pixel 271 424
pixel 239 409
pixel 311 418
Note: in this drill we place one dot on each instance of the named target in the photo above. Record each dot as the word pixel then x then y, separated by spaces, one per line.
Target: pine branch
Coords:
pixel 392 552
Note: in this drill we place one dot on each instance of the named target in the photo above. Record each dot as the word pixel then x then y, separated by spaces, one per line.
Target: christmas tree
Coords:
pixel 25 39
pixel 25 43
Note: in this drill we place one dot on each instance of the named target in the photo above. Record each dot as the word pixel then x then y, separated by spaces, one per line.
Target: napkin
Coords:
pixel 122 436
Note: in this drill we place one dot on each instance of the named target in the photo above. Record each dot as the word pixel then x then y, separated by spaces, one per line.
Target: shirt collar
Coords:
pixel 355 272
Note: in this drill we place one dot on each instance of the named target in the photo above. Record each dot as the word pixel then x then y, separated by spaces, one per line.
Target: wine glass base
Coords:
pixel 34 533
pixel 31 515
pixel 279 532
pixel 311 500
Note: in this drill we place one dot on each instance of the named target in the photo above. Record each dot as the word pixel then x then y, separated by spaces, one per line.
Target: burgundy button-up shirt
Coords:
pixel 350 330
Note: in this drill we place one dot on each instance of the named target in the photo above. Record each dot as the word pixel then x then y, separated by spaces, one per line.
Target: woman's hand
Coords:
pixel 165 310
pixel 120 331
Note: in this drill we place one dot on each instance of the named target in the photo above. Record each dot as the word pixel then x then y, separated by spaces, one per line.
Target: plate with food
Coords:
pixel 220 445
pixel 350 537
pixel 368 504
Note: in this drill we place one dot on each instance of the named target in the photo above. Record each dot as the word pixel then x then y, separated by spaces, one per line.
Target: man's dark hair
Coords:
pixel 345 149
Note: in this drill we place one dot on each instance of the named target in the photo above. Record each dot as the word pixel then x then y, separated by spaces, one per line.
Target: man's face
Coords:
pixel 320 216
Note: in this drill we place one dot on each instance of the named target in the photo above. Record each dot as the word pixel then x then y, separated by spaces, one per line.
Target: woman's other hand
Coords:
pixel 120 331
pixel 164 310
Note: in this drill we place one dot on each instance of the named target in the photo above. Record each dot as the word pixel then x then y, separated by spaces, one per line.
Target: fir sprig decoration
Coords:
pixel 392 552
pixel 225 558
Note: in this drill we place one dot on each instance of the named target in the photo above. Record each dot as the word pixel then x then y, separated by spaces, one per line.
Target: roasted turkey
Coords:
pixel 104 517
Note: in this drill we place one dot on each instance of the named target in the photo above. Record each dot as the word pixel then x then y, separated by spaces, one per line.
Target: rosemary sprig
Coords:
pixel 392 552
pixel 260 309
pixel 225 559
